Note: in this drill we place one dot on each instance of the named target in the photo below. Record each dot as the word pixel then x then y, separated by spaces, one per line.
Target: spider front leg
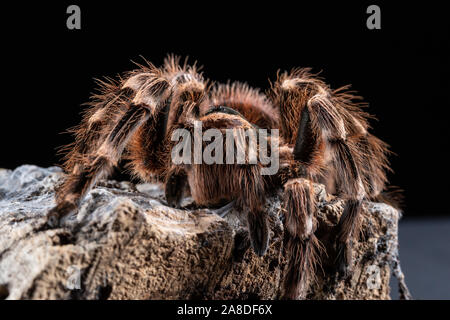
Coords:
pixel 301 244
pixel 300 210
pixel 258 228
pixel 175 184
pixel 222 180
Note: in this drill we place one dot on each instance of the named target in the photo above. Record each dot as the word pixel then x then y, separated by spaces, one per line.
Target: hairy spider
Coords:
pixel 323 138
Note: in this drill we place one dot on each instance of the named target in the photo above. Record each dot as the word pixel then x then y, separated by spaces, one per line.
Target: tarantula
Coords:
pixel 324 138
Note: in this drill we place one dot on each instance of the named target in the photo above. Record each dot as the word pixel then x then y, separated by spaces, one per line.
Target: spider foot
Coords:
pixel 174 189
pixel 223 211
pixel 53 219
pixel 226 209
pixel 241 245
pixel 344 261
pixel 259 233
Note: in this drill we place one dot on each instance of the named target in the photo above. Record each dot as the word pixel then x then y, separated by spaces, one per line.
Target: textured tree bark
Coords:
pixel 125 243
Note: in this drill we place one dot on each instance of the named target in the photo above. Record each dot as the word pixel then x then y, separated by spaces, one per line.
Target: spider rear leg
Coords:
pixel 94 166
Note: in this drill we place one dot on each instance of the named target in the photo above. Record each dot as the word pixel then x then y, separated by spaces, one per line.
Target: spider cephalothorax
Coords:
pixel 323 138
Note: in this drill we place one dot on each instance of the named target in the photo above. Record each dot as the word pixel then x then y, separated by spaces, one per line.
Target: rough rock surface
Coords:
pixel 125 243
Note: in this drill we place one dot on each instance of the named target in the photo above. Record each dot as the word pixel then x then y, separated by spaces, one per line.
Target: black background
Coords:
pixel 401 70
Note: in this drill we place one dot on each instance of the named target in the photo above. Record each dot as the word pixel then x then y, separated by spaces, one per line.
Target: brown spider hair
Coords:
pixel 324 138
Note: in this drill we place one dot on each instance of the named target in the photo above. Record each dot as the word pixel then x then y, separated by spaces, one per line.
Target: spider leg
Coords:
pixel 149 149
pixel 324 130
pixel 307 142
pixel 98 164
pixel 176 182
pixel 258 227
pixel 342 154
pixel 105 132
pixel 250 187
pixel 348 227
pixel 239 100
pixel 300 242
pixel 302 246
pixel 224 210
pixel 241 182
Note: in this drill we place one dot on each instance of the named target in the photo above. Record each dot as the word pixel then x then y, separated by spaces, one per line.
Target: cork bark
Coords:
pixel 126 243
